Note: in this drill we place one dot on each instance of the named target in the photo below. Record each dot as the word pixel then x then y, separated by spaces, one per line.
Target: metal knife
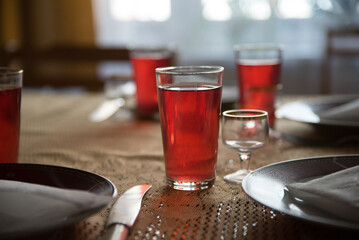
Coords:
pixel 124 212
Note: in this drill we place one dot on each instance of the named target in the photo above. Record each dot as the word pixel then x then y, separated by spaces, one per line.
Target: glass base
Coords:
pixel 190 185
pixel 237 177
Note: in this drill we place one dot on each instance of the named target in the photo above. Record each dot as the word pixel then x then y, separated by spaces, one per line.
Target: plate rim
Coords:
pixel 318 220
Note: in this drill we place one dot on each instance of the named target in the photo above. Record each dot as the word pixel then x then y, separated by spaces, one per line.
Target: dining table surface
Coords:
pixel 127 150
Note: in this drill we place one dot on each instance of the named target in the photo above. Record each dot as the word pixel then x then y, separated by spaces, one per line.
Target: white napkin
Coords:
pixel 346 112
pixel 337 193
pixel 25 206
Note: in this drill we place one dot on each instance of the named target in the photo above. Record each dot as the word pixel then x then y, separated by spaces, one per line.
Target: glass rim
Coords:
pixel 189 70
pixel 5 71
pixel 239 113
pixel 151 52
pixel 257 47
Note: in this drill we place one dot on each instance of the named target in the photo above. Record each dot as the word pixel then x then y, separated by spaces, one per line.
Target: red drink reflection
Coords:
pixel 190 123
pixel 10 100
pixel 145 79
pixel 258 81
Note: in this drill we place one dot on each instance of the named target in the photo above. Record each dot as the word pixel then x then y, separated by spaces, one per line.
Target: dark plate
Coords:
pixel 307 111
pixel 60 177
pixel 266 185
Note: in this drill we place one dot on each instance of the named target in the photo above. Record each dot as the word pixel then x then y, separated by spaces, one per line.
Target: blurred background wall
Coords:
pixel 202 31
pixel 51 21
pixel 31 30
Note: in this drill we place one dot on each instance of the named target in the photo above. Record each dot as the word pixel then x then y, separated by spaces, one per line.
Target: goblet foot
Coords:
pixel 237 177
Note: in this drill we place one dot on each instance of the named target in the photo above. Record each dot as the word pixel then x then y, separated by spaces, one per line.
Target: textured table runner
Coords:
pixel 55 130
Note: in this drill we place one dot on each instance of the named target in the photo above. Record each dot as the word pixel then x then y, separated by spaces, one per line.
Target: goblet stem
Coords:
pixel 245 158
pixel 240 174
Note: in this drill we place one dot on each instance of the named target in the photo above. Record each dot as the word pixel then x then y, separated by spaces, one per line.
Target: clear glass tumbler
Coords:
pixel 258 75
pixel 10 104
pixel 190 106
pixel 144 62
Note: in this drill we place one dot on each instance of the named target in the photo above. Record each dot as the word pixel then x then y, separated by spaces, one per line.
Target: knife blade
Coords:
pixel 124 212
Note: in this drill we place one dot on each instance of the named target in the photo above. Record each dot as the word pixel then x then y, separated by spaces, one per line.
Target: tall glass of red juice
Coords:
pixel 10 102
pixel 258 72
pixel 190 104
pixel 144 61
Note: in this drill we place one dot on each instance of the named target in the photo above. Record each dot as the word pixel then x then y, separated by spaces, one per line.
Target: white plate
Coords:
pixel 266 185
pixel 308 111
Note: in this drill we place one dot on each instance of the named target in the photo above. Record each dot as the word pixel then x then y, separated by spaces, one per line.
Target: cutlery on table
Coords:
pixel 124 212
pixel 118 95
pixel 106 109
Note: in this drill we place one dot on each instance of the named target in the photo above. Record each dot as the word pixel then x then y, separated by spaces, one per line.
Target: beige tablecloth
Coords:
pixel 55 130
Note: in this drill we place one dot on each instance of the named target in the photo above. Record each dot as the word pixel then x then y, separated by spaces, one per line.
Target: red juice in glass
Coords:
pixel 10 101
pixel 145 79
pixel 190 125
pixel 258 83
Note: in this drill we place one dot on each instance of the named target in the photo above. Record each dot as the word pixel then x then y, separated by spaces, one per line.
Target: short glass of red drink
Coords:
pixel 144 61
pixel 258 73
pixel 10 103
pixel 190 107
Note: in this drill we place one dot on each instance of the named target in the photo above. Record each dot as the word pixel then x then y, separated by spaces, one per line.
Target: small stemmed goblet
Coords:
pixel 244 131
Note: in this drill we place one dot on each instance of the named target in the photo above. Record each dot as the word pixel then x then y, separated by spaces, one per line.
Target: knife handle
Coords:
pixel 116 232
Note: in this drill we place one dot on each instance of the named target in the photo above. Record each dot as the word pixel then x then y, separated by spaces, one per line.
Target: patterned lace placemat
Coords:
pixel 55 130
